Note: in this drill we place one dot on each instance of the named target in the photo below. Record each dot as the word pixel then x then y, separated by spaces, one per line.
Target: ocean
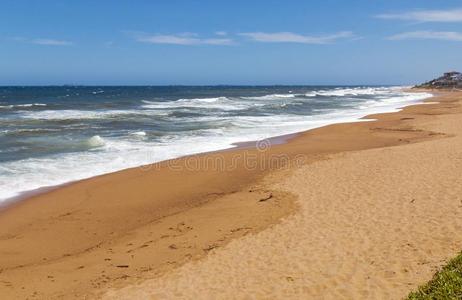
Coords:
pixel 54 135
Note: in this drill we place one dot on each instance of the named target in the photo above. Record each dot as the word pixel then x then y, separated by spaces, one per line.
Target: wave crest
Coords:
pixel 12 106
pixel 95 142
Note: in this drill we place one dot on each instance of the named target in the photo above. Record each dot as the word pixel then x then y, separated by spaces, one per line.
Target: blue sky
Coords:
pixel 228 42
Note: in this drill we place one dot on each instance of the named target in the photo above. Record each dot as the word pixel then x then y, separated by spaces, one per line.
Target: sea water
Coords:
pixel 54 135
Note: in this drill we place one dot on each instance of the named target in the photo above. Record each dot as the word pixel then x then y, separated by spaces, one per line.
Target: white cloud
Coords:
pixel 42 41
pixel 450 15
pixel 290 37
pixel 222 41
pixel 221 38
pixel 50 42
pixel 168 39
pixel 180 39
pixel 429 35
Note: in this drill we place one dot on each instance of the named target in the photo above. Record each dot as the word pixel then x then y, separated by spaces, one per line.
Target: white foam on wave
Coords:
pixel 311 94
pixel 395 101
pixel 206 100
pixel 139 133
pixel 356 91
pixel 22 105
pixel 68 114
pixel 95 142
pixel 113 154
pixel 220 103
pixel 30 130
pixel 271 97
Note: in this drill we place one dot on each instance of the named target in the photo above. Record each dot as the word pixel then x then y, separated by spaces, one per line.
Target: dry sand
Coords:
pixel 370 212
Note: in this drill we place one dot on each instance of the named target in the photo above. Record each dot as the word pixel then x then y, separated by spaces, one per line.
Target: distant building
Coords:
pixel 450 80
pixel 449 74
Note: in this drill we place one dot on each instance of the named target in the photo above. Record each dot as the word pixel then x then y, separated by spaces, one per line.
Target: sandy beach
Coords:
pixel 365 210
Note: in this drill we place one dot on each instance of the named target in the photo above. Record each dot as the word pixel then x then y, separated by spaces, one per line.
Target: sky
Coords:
pixel 259 42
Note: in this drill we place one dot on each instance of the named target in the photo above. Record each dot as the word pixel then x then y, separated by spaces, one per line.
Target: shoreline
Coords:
pixel 94 232
pixel 5 204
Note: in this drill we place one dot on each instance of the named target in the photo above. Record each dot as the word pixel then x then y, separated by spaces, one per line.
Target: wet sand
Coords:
pixel 355 210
